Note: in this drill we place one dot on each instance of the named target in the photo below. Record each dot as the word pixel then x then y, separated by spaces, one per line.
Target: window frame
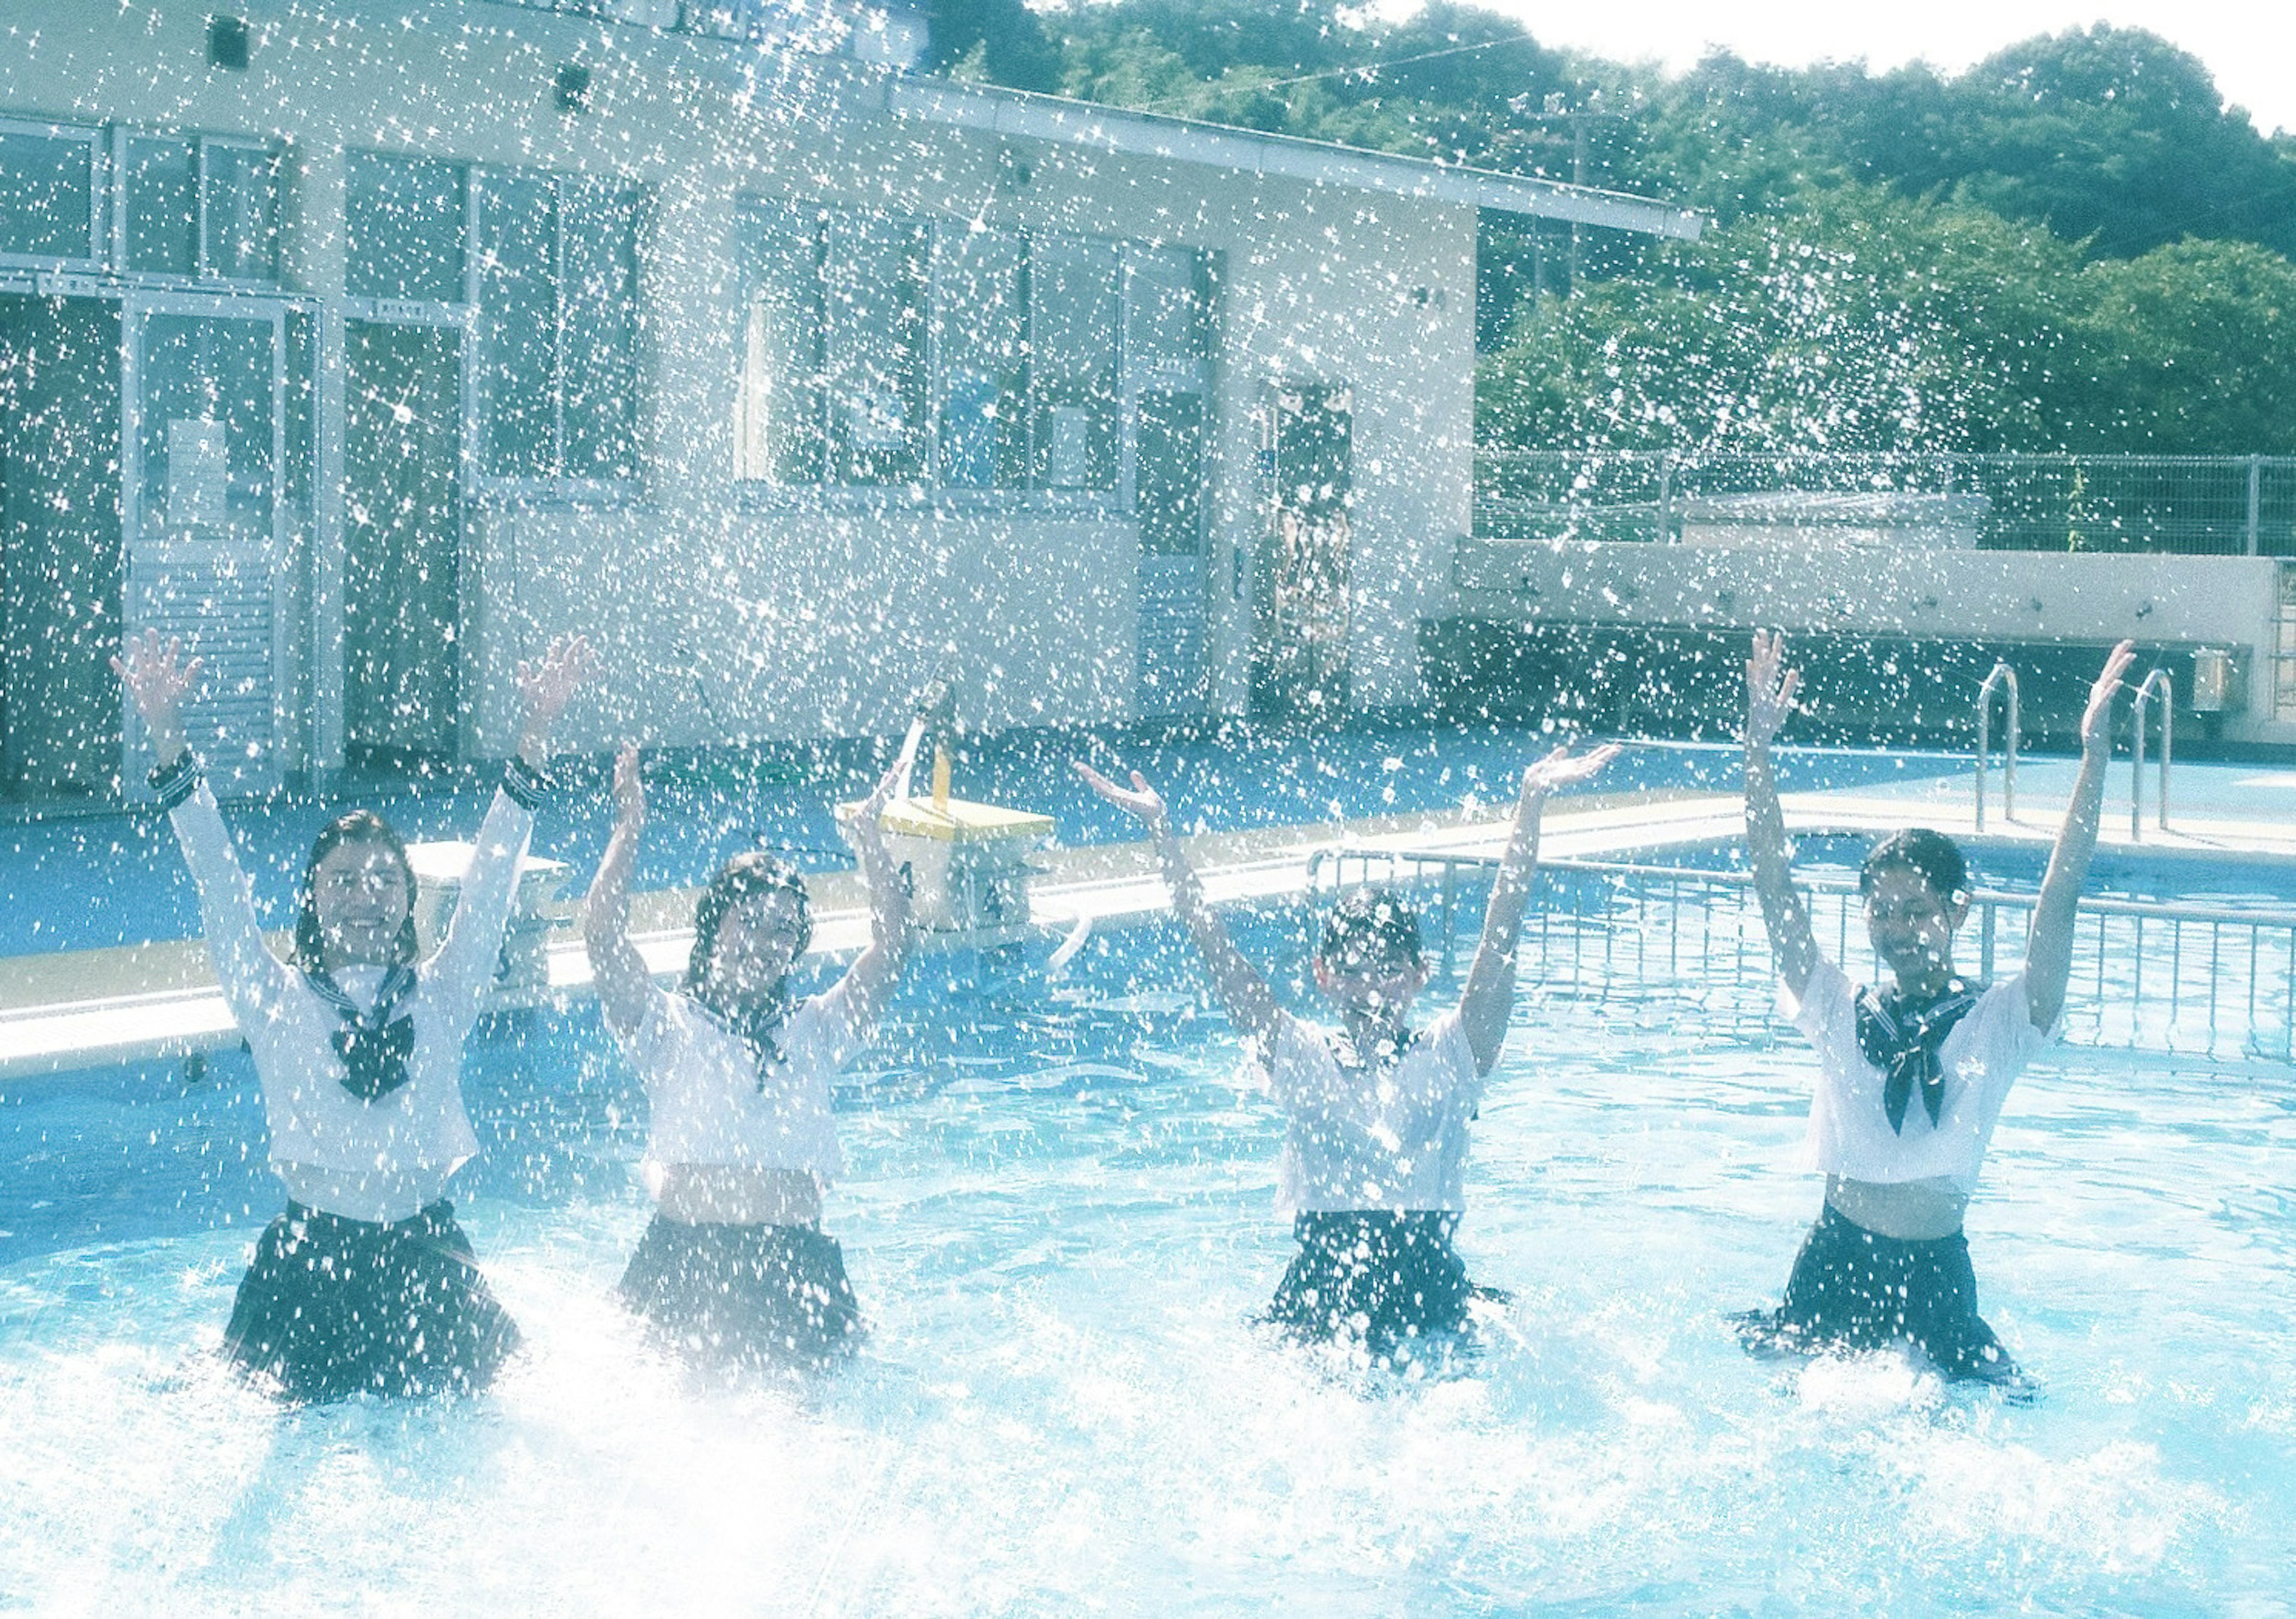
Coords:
pixel 366 306
pixel 99 189
pixel 929 493
pixel 201 275
pixel 559 486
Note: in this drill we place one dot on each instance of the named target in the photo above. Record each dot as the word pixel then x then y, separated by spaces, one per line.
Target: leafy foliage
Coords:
pixel 2076 244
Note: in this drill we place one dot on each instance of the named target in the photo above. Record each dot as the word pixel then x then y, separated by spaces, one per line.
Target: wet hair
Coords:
pixel 1931 856
pixel 1376 920
pixel 745 877
pixel 357 826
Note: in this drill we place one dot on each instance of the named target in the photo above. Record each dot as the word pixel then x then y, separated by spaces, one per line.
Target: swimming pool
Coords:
pixel 1059 1216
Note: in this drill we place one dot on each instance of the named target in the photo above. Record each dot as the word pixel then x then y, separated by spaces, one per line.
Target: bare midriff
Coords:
pixel 1910 1211
pixel 738 1195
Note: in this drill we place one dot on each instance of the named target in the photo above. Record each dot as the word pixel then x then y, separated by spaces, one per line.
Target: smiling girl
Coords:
pixel 1911 1078
pixel 735 1266
pixel 1376 1112
pixel 365 1282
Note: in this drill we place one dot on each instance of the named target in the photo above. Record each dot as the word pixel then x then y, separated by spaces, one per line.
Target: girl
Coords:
pixel 364 1282
pixel 1377 1113
pixel 742 1144
pixel 1910 1080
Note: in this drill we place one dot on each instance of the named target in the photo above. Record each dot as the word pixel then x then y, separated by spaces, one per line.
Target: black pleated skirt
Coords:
pixel 1379 1277
pixel 735 1295
pixel 1856 1289
pixel 333 1307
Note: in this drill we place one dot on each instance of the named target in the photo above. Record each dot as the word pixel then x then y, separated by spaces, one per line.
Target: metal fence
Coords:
pixel 2214 506
pixel 768 21
pixel 2206 981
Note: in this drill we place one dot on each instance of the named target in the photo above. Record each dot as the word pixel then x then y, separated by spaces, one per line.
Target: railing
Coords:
pixel 2224 506
pixel 736 19
pixel 2209 980
pixel 2157 680
pixel 2002 674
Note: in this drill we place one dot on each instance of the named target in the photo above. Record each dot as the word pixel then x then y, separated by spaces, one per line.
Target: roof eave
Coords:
pixel 1052 119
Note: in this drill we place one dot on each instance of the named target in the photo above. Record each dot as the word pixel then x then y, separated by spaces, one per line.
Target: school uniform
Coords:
pixel 364 1282
pixel 1373 1174
pixel 740 1291
pixel 1904 1094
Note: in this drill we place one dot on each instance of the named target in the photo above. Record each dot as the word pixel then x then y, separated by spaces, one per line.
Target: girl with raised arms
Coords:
pixel 1910 1079
pixel 742 1146
pixel 364 1283
pixel 1375 1112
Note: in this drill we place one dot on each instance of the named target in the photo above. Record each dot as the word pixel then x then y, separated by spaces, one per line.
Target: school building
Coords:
pixel 366 343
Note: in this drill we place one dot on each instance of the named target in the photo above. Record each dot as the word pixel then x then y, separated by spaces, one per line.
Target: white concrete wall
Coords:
pixel 2220 601
pixel 1035 613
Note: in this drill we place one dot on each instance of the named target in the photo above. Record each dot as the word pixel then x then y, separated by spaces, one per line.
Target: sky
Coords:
pixel 2250 45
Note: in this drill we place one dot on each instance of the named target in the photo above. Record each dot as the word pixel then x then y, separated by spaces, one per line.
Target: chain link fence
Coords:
pixel 2199 505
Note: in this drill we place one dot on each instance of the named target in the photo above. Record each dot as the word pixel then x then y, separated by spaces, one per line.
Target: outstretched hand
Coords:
pixel 629 788
pixel 864 826
pixel 1770 688
pixel 156 680
pixel 2096 720
pixel 548 687
pixel 1143 801
pixel 1560 770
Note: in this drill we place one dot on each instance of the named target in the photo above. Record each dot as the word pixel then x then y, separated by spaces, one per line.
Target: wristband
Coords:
pixel 177 782
pixel 524 785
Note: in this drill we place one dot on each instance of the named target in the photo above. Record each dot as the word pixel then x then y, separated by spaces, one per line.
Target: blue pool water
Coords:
pixel 1059 1219
pixel 88 882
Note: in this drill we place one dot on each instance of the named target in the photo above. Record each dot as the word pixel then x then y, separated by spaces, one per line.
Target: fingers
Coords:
pixel 1791 686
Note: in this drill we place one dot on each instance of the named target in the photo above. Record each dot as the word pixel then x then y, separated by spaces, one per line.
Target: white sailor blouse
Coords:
pixel 384 1155
pixel 1971 1069
pixel 1394 1138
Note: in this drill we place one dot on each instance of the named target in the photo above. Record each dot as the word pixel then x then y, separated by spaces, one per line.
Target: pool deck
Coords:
pixel 72 1011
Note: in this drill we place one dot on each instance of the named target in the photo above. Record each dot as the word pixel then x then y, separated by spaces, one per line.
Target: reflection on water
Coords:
pixel 1060 1221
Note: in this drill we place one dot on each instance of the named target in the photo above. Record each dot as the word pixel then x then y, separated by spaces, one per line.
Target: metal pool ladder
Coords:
pixel 2002 674
pixel 2159 679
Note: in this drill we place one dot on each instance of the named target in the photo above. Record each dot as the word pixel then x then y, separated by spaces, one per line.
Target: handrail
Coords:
pixel 2160 678
pixel 2000 675
pixel 2268 915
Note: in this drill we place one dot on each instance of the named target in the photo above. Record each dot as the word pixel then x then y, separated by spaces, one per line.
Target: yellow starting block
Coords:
pixel 967 865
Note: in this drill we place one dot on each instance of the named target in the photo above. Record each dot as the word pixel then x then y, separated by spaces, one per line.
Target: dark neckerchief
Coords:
pixel 1348 1055
pixel 374 1043
pixel 1900 1036
pixel 757 1029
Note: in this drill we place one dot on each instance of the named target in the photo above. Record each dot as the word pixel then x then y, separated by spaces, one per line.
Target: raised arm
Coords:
pixel 1487 1001
pixel 860 996
pixel 1243 992
pixel 465 961
pixel 1770 688
pixel 619 972
pixel 2049 949
pixel 156 680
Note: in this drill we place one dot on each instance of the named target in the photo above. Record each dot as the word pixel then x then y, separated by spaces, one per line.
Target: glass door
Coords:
pixel 204 442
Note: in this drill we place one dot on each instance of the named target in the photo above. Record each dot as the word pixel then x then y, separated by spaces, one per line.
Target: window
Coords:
pixel 980 343
pixel 48 194
pixel 407 223
pixel 1077 320
pixel 198 207
pixel 879 352
pixel 873 364
pixel 556 286
pixel 777 427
